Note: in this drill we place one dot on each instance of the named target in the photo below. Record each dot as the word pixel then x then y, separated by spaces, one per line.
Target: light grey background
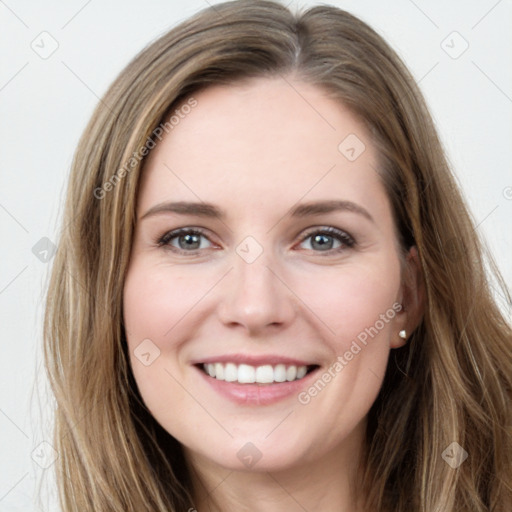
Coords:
pixel 46 100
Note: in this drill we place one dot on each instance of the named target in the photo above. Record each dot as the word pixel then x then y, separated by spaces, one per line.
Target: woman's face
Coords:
pixel 264 249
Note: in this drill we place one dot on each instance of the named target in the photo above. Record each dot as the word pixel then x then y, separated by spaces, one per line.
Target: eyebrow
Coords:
pixel 209 210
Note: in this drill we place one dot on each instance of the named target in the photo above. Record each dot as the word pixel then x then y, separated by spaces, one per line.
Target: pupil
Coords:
pixel 324 242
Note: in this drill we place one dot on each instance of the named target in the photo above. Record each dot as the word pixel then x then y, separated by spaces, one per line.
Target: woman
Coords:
pixel 269 294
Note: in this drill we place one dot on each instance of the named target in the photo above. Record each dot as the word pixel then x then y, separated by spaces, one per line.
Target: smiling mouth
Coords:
pixel 248 374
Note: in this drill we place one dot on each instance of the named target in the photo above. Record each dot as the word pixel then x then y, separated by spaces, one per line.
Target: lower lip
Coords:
pixel 257 394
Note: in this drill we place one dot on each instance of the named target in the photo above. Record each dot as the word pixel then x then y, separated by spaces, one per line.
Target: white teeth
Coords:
pixel 301 371
pixel 219 371
pixel 291 373
pixel 265 374
pixel 280 373
pixel 247 374
pixel 230 372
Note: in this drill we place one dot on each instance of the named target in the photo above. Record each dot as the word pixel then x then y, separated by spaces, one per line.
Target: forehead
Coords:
pixel 262 143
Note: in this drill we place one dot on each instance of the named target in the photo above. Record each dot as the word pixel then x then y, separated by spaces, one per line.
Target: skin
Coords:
pixel 256 149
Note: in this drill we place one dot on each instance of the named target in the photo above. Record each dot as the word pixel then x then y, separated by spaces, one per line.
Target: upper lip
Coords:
pixel 254 360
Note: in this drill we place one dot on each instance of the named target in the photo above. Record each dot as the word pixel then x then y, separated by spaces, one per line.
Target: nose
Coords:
pixel 255 297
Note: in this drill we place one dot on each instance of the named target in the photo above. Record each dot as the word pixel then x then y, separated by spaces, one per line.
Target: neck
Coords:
pixel 328 483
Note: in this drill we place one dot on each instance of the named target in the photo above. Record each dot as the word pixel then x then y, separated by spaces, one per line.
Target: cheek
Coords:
pixel 156 303
pixel 152 307
pixel 157 298
pixel 358 306
pixel 163 307
pixel 352 300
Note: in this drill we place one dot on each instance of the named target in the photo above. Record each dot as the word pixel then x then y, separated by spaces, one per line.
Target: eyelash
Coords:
pixel 346 240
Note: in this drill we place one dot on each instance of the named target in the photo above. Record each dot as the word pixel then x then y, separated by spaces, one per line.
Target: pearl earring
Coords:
pixel 403 334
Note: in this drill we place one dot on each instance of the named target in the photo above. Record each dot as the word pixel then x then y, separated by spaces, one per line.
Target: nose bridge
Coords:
pixel 254 295
pixel 254 280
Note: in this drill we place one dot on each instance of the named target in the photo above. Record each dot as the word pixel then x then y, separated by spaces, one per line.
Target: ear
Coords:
pixel 413 299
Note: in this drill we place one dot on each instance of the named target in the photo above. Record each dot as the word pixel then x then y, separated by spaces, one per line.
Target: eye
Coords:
pixel 185 240
pixel 327 239
pixel 190 240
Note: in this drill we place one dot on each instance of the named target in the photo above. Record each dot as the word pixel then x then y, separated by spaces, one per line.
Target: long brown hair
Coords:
pixel 452 382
